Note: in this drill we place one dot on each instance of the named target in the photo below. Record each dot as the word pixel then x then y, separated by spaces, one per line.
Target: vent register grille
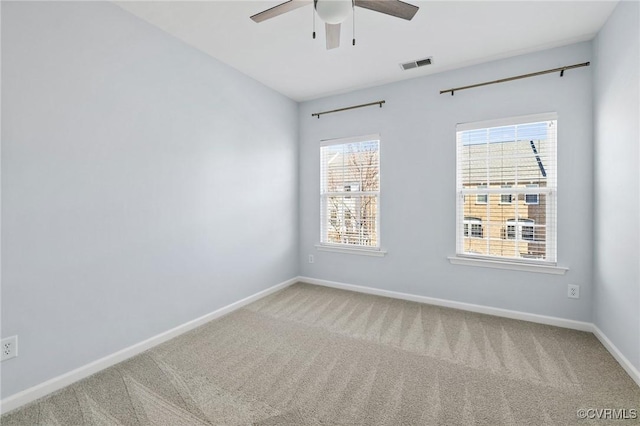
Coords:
pixel 416 64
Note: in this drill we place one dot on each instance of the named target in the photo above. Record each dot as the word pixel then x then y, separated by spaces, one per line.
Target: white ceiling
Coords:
pixel 281 53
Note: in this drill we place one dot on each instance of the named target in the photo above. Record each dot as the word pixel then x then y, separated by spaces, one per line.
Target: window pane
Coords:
pixel 351 220
pixel 531 198
pixel 349 165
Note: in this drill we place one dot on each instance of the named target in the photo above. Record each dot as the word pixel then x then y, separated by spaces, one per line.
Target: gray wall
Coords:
pixel 417 127
pixel 617 179
pixel 144 184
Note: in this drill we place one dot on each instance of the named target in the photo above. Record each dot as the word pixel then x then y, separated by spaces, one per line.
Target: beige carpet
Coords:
pixel 311 355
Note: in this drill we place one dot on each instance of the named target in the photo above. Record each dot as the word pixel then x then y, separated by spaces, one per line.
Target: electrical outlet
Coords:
pixel 311 258
pixel 9 348
pixel 573 291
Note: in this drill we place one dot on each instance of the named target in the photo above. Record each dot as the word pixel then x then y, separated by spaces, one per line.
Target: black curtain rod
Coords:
pixel 561 70
pixel 318 114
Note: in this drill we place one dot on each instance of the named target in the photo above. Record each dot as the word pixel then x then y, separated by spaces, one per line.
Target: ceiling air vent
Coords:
pixel 417 63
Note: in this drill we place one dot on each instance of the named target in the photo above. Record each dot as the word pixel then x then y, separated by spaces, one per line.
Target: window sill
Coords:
pixel 351 250
pixel 514 266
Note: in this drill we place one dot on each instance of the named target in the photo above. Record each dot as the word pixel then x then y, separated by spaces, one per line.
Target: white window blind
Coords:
pixel 350 192
pixel 507 187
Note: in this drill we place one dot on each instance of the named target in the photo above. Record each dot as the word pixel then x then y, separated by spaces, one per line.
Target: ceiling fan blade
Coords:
pixel 279 9
pixel 333 35
pixel 396 8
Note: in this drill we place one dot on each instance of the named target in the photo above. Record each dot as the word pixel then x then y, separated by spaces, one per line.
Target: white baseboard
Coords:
pixel 622 360
pixel 541 319
pixel 506 313
pixel 29 395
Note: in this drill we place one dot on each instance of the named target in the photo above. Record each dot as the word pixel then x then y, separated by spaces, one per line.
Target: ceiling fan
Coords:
pixel 334 12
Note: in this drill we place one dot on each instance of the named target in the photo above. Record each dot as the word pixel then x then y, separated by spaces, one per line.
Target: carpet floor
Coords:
pixel 310 355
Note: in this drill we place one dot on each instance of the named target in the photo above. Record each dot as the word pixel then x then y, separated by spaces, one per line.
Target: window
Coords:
pixel 506 198
pixel 531 198
pixel 520 229
pixel 350 192
pixel 473 227
pixel 481 198
pixel 509 164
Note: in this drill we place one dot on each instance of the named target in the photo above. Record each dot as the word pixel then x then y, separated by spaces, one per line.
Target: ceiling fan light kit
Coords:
pixel 334 12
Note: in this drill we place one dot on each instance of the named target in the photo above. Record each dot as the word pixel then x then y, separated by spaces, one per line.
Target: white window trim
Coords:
pixel 516 265
pixel 347 248
pixel 363 251
pixel 352 139
pixel 510 263
pixel 521 119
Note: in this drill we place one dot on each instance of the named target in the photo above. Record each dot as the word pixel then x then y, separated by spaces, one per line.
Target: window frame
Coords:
pixel 547 265
pixel 324 245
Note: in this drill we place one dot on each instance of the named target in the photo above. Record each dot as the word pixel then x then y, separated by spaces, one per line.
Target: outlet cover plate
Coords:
pixel 9 348
pixel 573 291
